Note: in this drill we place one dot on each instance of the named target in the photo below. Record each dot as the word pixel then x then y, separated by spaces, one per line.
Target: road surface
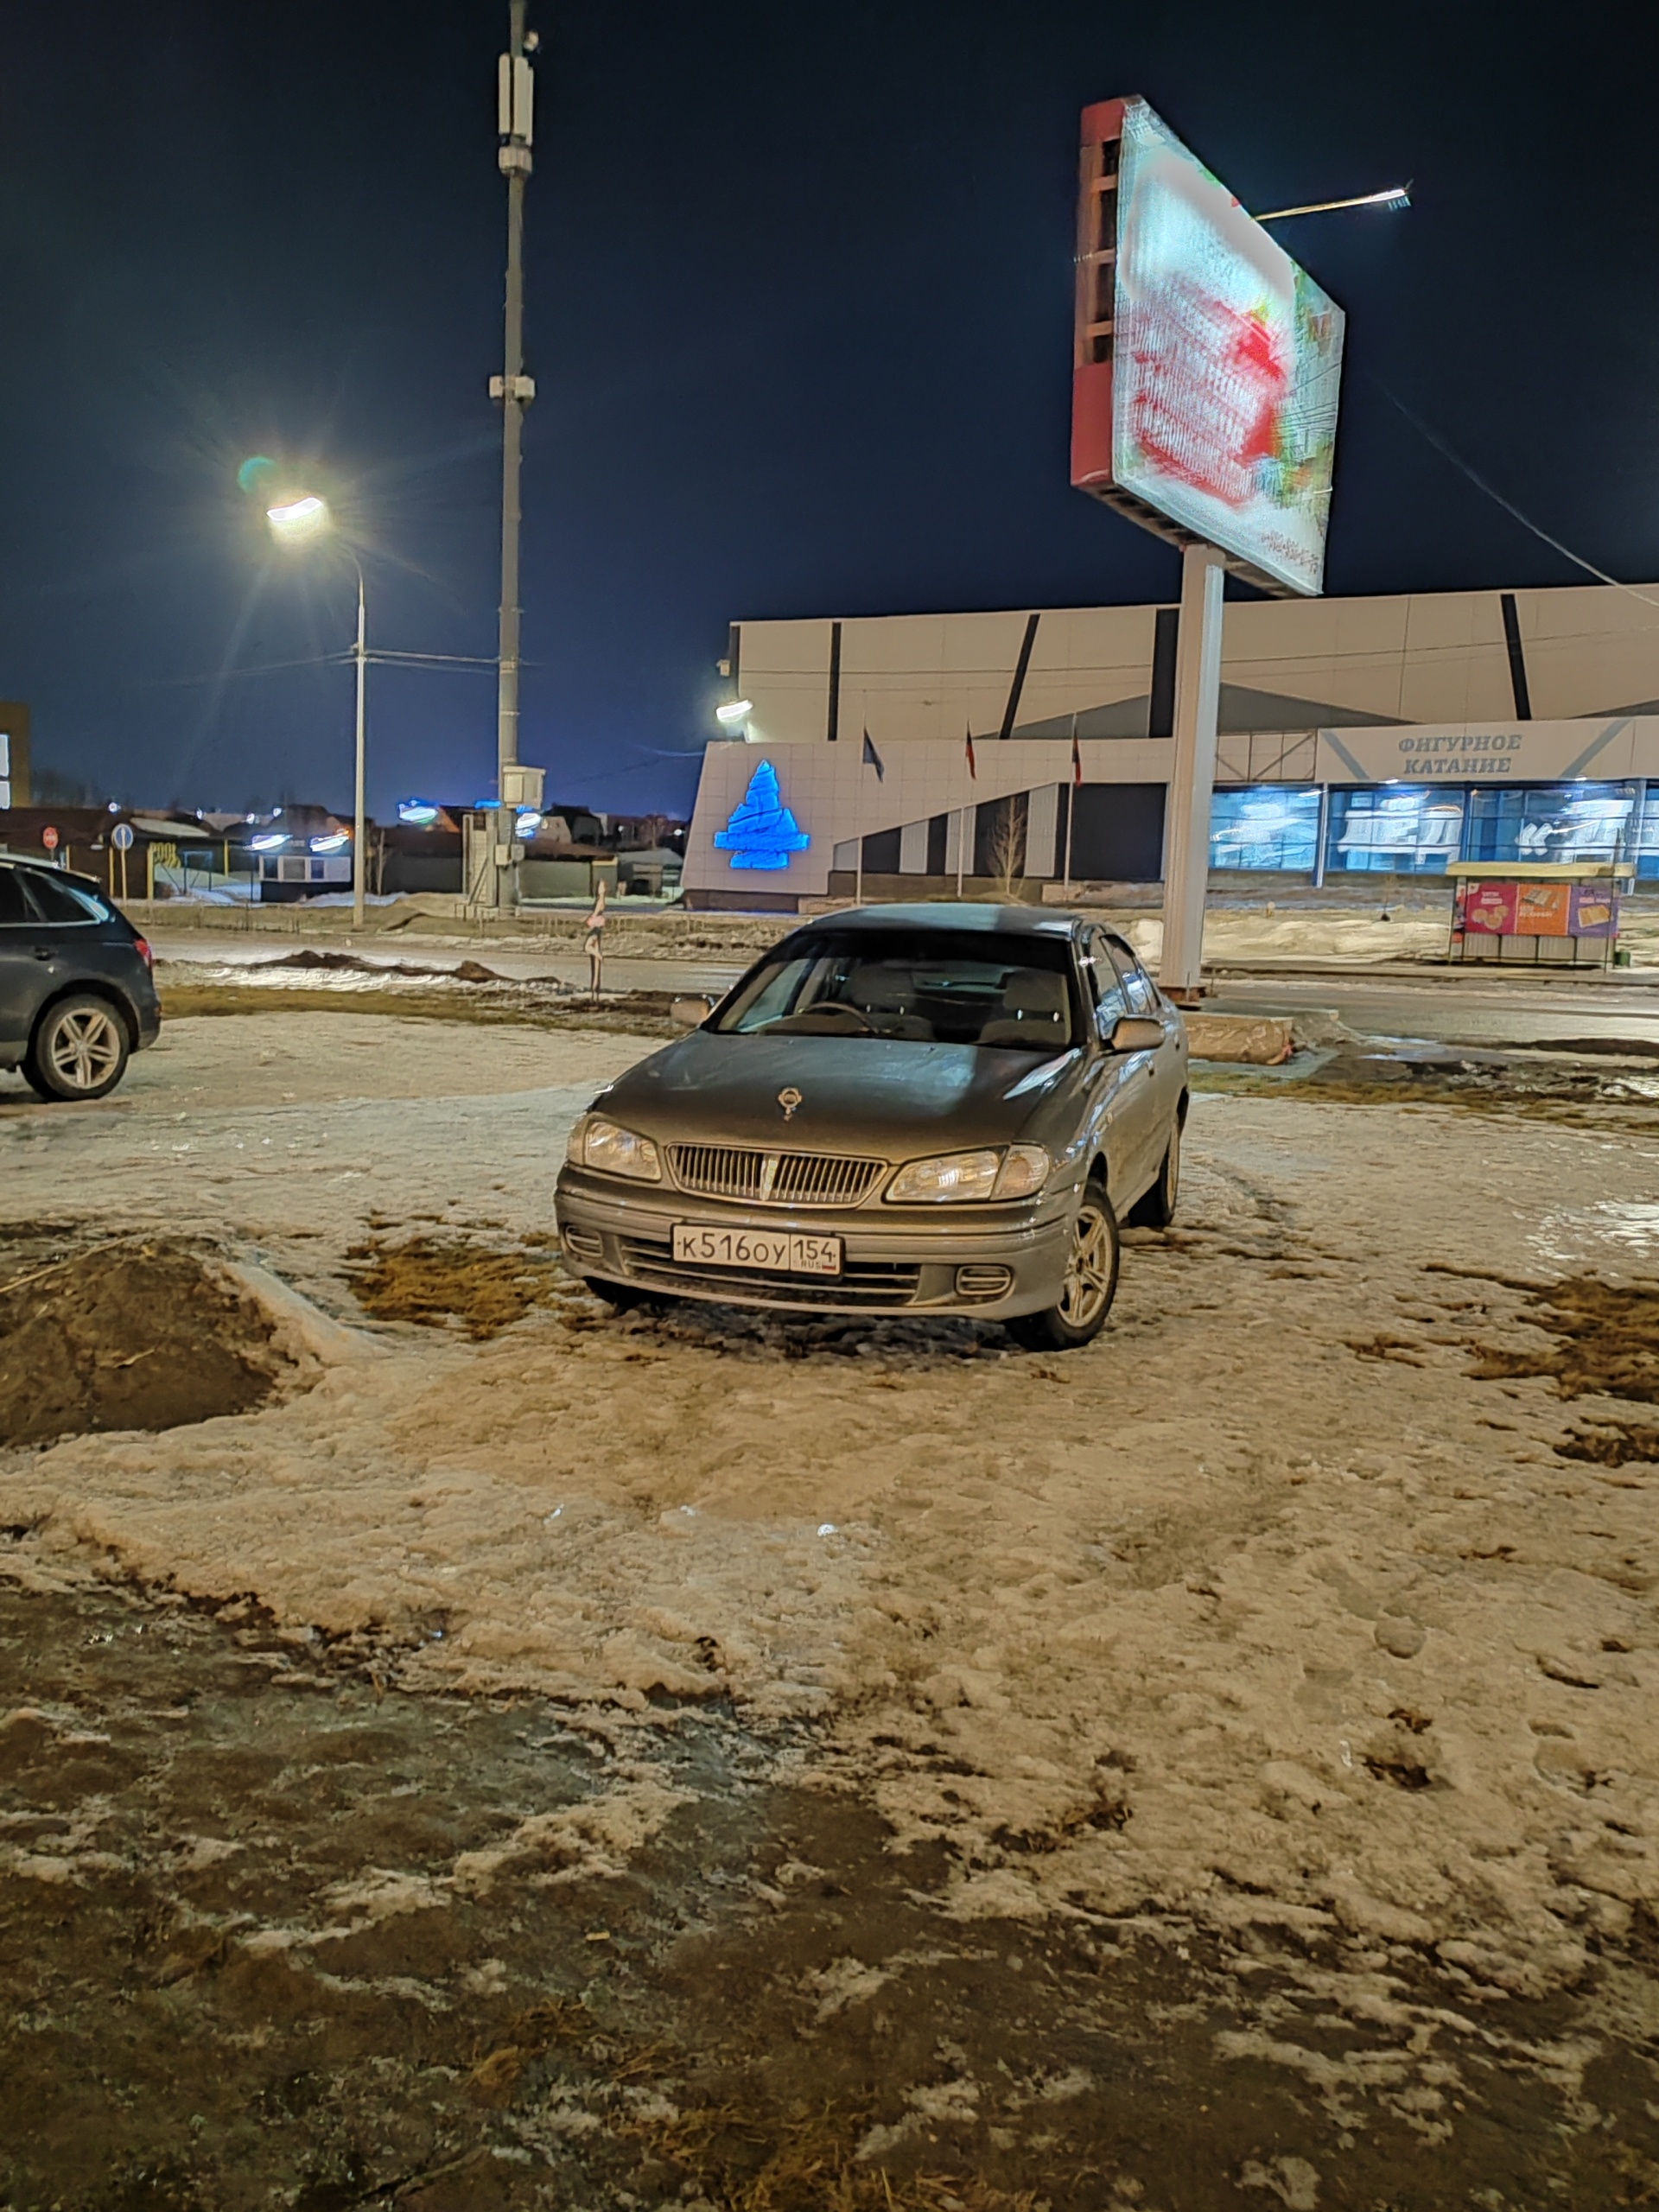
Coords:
pixel 1453 1008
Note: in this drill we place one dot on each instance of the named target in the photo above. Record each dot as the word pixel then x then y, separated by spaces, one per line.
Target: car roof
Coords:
pixel 46 867
pixel 923 914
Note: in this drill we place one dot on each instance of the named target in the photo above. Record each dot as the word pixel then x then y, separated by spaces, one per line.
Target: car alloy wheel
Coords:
pixel 80 1050
pixel 1091 1265
pixel 1089 1284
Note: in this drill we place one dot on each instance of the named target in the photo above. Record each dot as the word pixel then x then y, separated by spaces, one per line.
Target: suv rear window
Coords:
pixel 62 902
pixel 942 987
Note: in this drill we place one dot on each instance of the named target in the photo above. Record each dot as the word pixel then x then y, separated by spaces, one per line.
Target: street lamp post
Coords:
pixel 294 523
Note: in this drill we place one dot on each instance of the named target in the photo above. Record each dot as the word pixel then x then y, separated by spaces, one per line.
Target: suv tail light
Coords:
pixel 143 952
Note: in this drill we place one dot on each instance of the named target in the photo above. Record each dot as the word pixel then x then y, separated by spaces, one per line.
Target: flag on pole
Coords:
pixel 1077 761
pixel 968 741
pixel 873 759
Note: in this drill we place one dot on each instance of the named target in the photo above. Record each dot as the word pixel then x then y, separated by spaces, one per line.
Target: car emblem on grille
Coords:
pixel 788 1100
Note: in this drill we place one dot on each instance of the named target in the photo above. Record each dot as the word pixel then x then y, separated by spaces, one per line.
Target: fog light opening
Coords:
pixel 984 1280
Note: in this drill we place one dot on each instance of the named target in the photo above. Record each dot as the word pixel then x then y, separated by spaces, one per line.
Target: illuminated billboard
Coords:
pixel 1208 363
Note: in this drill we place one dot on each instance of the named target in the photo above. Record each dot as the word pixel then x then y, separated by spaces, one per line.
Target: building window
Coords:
pixel 1397 831
pixel 1553 821
pixel 1265 826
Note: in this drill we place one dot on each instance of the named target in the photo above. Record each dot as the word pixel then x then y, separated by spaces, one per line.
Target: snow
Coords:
pixel 1147 1628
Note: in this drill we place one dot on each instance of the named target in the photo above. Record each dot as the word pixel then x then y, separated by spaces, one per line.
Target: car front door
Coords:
pixel 23 979
pixel 1119 1103
pixel 1166 1069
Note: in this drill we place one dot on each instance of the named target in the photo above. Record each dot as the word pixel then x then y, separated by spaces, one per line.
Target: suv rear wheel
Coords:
pixel 80 1049
pixel 1091 1281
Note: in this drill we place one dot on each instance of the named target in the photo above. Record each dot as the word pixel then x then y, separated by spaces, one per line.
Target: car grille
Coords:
pixel 774 1179
pixel 861 1282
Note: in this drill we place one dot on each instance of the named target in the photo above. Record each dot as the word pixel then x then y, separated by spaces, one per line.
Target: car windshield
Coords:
pixel 943 987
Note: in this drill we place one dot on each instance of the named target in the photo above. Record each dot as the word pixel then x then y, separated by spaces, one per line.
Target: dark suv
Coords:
pixel 77 997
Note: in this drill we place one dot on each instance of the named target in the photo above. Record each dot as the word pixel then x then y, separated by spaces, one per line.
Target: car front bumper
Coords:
pixel 991 1262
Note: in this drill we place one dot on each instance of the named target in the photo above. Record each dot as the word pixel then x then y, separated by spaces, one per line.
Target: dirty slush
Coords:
pixel 463 1749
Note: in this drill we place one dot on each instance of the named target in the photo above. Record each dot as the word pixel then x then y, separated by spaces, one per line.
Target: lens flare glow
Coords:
pixel 296 519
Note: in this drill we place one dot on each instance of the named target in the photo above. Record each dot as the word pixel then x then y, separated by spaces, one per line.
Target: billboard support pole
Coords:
pixel 1197 701
pixel 515 390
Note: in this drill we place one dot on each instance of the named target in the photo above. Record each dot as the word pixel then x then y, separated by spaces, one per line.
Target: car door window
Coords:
pixel 1137 984
pixel 57 902
pixel 1105 985
pixel 13 907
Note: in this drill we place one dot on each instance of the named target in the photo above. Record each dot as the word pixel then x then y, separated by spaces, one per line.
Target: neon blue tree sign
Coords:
pixel 761 832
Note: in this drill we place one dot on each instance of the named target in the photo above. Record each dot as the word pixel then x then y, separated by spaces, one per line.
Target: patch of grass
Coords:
pixel 436 1281
pixel 1612 1443
pixel 735 2159
pixel 1604 1338
pixel 642 1013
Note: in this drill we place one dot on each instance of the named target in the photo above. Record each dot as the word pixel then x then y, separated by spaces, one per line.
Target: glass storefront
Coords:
pixel 1644 841
pixel 1265 826
pixel 1417 830
pixel 1398 830
pixel 1553 821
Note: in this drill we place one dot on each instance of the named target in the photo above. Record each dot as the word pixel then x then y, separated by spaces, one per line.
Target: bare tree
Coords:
pixel 1005 845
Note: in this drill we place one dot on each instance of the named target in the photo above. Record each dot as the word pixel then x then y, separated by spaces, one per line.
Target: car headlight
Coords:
pixel 1018 1173
pixel 611 1150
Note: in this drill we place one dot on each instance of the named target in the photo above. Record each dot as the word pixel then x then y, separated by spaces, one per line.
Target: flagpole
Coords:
pixel 1070 806
pixel 961 816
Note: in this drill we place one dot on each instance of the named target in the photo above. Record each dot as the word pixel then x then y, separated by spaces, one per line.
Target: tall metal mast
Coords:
pixel 515 116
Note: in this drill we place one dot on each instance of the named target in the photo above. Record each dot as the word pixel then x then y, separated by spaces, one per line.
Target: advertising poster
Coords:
pixel 1227 363
pixel 1489 907
pixel 1540 909
pixel 1593 910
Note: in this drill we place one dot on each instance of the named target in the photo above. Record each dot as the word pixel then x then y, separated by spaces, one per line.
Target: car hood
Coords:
pixel 857 1094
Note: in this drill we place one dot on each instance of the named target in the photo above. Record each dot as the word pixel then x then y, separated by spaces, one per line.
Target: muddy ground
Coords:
pixel 762 2007
pixel 487 1752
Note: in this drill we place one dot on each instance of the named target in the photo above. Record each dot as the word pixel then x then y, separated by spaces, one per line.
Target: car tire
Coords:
pixel 1155 1209
pixel 80 1049
pixel 1090 1280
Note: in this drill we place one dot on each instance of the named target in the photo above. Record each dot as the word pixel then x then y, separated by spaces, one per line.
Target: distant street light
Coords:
pixel 295 522
pixel 1392 195
pixel 734 710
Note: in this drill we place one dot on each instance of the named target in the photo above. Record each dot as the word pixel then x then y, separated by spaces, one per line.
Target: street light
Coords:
pixel 1392 195
pixel 734 710
pixel 295 522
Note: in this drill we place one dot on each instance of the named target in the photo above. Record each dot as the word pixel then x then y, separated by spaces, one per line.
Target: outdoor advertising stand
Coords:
pixel 1537 911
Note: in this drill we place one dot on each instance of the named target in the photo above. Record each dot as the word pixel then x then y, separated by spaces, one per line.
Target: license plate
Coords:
pixel 757 1248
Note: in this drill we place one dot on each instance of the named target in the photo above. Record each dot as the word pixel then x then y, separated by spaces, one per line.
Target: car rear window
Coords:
pixel 62 902
pixel 922 987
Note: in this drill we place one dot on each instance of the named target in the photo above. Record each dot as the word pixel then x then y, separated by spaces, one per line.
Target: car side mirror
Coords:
pixel 1134 1033
pixel 689 1014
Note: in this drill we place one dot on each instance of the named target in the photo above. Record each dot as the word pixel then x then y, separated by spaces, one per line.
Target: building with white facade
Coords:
pixel 1387 736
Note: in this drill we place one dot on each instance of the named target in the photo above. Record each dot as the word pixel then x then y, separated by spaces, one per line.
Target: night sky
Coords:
pixel 800 303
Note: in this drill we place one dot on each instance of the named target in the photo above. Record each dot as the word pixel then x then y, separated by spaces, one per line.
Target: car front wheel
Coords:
pixel 80 1049
pixel 1091 1281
